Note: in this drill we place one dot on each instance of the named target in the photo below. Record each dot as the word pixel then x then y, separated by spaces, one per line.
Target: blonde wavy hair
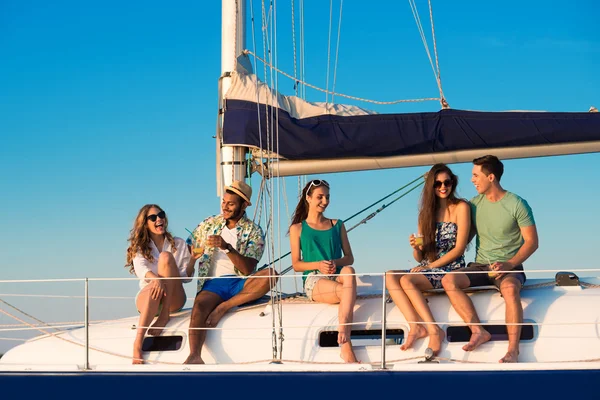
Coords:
pixel 139 237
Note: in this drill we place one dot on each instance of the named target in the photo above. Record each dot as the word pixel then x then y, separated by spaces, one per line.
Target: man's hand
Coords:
pixel 216 241
pixel 501 266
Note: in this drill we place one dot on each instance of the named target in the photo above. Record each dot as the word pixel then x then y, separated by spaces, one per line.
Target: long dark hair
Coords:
pixel 428 208
pixel 139 237
pixel 301 211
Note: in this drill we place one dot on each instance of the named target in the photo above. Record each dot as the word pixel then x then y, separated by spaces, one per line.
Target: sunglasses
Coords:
pixel 438 184
pixel 153 217
pixel 317 183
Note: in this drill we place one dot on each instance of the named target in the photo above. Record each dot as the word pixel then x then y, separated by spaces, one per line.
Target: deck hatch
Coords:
pixel 498 332
pixel 162 343
pixel 364 337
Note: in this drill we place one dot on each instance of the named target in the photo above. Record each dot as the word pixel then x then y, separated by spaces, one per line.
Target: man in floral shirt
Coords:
pixel 233 244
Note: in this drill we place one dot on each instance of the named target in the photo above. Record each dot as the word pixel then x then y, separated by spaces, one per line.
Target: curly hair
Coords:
pixel 139 237
pixel 429 206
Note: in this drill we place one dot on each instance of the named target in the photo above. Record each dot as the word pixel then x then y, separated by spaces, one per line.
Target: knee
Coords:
pixel 165 258
pixel 407 281
pixel 510 291
pixel 272 274
pixel 199 313
pixel 347 274
pixel 349 269
pixel 449 282
pixel 392 278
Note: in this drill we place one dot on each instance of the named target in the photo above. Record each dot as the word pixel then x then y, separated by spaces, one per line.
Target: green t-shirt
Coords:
pixel 499 226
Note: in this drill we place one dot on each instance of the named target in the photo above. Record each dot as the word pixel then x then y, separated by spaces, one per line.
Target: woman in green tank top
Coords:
pixel 321 251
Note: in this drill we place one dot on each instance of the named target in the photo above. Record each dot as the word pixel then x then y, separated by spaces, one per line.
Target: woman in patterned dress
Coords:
pixel 444 223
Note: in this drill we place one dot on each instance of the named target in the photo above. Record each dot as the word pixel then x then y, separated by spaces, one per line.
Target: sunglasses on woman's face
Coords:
pixel 446 183
pixel 317 183
pixel 153 217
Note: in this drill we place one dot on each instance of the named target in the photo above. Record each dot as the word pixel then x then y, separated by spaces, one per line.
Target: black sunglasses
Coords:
pixel 152 217
pixel 317 183
pixel 438 184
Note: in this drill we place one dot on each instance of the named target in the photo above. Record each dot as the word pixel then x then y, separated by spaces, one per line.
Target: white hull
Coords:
pixel 565 322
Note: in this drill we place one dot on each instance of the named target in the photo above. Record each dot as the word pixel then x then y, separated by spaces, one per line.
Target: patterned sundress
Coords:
pixel 445 240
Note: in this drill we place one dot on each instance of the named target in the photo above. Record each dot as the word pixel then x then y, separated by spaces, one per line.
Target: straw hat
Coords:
pixel 241 189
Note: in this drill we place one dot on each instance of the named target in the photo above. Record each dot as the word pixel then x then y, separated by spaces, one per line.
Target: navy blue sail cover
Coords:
pixel 383 135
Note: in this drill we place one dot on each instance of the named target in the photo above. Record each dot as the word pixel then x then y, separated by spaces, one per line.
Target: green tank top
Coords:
pixel 317 245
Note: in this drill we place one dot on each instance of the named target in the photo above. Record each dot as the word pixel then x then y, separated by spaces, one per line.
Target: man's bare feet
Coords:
pixel 435 341
pixel 510 357
pixel 215 316
pixel 347 353
pixel 477 339
pixel 193 359
pixel 416 332
pixel 158 326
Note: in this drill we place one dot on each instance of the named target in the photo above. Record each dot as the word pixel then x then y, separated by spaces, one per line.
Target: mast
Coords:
pixel 231 160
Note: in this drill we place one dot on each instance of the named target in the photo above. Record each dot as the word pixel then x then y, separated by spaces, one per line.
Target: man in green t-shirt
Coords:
pixel 506 237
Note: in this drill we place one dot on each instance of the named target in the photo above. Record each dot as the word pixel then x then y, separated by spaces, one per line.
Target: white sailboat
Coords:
pixel 289 340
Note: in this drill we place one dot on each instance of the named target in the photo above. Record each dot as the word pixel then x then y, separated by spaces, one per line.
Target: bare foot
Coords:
pixel 416 332
pixel 510 357
pixel 435 341
pixel 193 359
pixel 347 353
pixel 157 327
pixel 477 339
pixel 215 316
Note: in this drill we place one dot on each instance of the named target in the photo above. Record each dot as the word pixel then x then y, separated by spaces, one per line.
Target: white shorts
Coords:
pixel 311 281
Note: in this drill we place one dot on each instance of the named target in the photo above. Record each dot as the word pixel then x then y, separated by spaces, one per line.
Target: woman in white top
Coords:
pixel 174 259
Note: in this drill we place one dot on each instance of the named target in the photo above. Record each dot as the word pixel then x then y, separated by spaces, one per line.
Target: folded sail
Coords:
pixel 315 131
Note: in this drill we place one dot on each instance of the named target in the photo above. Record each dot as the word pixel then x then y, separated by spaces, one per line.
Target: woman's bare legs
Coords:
pixel 402 301
pixel 414 285
pixel 172 301
pixel 342 291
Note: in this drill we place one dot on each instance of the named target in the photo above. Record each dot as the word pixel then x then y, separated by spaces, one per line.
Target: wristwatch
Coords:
pixel 228 248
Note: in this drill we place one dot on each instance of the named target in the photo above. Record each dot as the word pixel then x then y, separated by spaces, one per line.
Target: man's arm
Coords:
pixel 246 265
pixel 530 245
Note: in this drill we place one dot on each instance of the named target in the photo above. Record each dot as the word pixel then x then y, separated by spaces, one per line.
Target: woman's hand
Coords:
pixel 412 240
pixel 195 252
pixel 157 289
pixel 419 268
pixel 327 267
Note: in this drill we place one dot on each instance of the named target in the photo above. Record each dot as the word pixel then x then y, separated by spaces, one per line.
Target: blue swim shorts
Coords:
pixel 226 288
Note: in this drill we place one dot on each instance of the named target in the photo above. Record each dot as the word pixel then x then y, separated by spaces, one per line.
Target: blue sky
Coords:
pixel 107 106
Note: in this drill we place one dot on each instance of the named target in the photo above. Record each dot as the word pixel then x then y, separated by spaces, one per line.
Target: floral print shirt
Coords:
pixel 250 241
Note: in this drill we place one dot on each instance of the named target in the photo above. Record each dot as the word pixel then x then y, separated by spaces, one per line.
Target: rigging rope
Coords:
pixel 337 51
pixel 328 56
pixel 443 101
pixel 341 94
